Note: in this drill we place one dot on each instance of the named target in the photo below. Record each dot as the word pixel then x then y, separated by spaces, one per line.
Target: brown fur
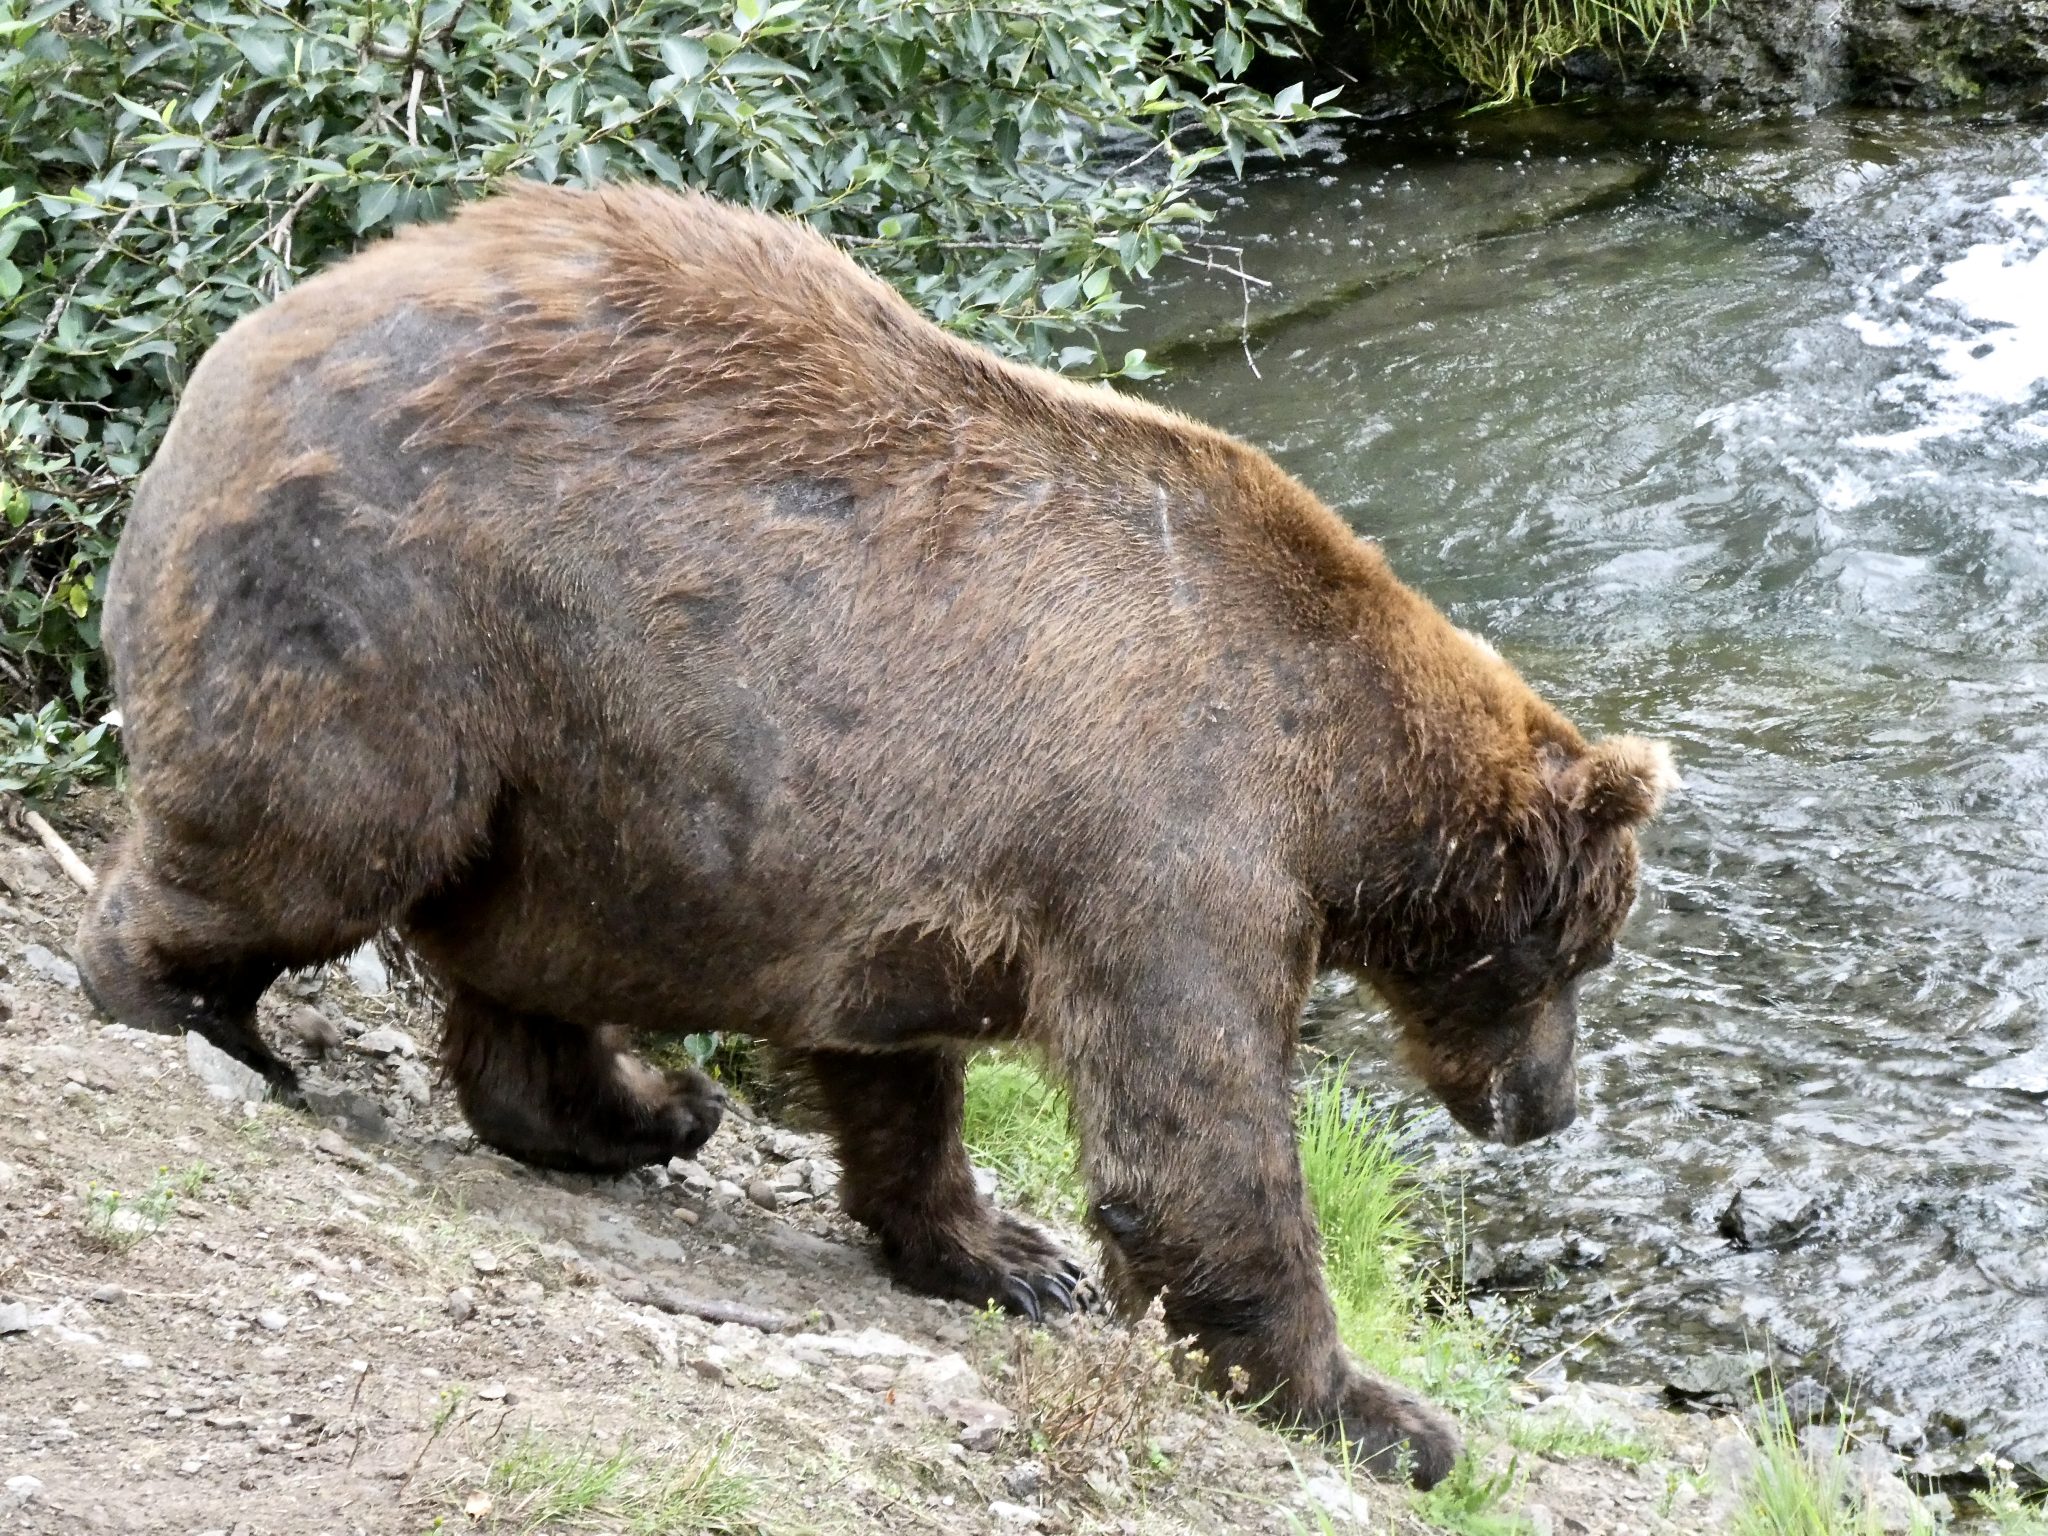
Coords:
pixel 667 628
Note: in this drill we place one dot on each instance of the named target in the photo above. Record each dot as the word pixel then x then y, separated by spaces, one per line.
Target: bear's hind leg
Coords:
pixel 559 1095
pixel 896 1117
pixel 163 957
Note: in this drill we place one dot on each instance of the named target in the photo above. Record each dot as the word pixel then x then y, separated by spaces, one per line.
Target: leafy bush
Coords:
pixel 166 165
pixel 1505 46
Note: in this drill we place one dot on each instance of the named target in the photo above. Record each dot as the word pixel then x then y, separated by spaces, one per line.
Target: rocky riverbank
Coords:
pixel 1988 56
pixel 220 1315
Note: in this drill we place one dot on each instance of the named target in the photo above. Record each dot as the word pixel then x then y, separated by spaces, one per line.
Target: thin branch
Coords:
pixel 62 852
pixel 64 301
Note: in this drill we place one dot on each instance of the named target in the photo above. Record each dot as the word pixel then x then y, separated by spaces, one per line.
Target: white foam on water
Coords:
pixel 2002 286
pixel 1983 320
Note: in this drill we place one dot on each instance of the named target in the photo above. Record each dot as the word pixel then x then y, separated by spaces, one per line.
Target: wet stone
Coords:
pixel 1724 1378
pixel 1769 1216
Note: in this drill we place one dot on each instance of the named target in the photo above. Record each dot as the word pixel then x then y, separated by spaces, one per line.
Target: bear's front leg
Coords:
pixel 1180 1081
pixel 905 1176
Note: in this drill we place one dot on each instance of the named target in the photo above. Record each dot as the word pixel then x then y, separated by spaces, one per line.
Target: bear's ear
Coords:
pixel 1620 780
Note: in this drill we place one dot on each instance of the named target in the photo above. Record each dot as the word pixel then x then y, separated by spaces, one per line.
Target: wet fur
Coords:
pixel 666 628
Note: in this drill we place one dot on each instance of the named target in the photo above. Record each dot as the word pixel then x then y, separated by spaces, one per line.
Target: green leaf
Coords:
pixel 10 279
pixel 685 57
pixel 374 204
pixel 265 50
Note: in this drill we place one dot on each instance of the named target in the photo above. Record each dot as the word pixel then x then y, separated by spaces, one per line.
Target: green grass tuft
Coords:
pixel 542 1483
pixel 1394 1313
pixel 1797 1491
pixel 1505 46
pixel 1543 1435
pixel 1017 1124
pixel 116 1221
pixel 1469 1501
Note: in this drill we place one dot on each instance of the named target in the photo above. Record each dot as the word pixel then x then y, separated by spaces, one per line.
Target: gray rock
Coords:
pixel 412 1082
pixel 220 1071
pixel 1337 1500
pixel 112 1295
pixel 366 969
pixel 52 967
pixel 1581 1252
pixel 1014 1517
pixel 1767 1216
pixel 1979 54
pixel 868 1344
pixel 1024 1480
pixel 22 870
pixel 356 1113
pixel 272 1321
pixel 484 1262
pixel 983 1422
pixel 15 1317
pixel 1902 1432
pixel 330 1144
pixel 1721 1377
pixel 1731 1468
pixel 387 1042
pixel 1885 1496
pixel 691 1173
pixel 460 1304
pixel 21 1492
pixel 763 1194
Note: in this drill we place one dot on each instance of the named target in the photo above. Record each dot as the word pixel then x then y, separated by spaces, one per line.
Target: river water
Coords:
pixel 1735 435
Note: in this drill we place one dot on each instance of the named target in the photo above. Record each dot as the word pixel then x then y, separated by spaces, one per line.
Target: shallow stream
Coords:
pixel 1735 435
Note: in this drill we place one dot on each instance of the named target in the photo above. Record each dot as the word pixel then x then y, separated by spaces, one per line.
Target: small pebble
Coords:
pixel 763 1194
pixel 461 1304
pixel 112 1295
pixel 484 1262
pixel 272 1321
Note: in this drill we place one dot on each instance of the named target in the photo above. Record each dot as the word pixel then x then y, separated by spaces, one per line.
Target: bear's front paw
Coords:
pixel 998 1259
pixel 693 1108
pixel 1392 1433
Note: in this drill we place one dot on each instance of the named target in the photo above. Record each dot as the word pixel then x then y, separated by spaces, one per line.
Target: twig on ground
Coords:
pixel 662 1298
pixel 61 851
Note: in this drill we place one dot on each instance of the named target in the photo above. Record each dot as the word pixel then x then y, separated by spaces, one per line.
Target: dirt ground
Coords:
pixel 220 1315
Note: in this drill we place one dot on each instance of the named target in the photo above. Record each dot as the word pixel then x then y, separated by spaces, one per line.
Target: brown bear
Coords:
pixel 665 627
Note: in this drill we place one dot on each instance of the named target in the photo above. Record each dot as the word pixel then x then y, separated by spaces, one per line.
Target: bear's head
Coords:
pixel 1485 980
